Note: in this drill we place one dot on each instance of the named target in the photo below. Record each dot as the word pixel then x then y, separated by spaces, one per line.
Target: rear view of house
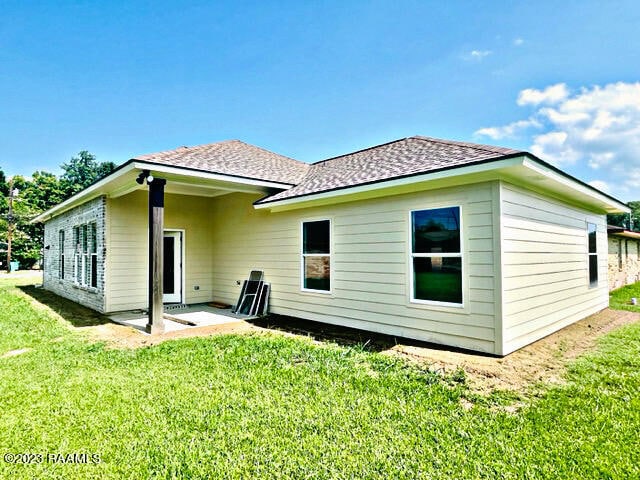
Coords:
pixel 467 245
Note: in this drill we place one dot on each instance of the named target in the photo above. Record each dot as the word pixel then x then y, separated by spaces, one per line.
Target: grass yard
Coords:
pixel 620 298
pixel 269 406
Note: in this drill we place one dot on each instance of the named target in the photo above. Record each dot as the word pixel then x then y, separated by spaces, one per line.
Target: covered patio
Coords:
pixel 182 317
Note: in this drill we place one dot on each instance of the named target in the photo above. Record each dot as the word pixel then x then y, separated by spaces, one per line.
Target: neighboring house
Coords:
pixel 467 245
pixel 624 257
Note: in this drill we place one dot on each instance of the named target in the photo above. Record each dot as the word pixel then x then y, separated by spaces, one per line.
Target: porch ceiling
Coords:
pixel 186 183
pixel 179 180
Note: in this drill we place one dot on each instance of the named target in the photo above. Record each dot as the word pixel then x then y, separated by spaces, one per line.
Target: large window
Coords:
pixel 61 253
pixel 316 256
pixel 85 259
pixel 92 256
pixel 593 254
pixel 436 256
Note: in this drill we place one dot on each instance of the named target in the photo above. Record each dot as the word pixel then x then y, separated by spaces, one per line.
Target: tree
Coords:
pixel 37 194
pixel 82 171
pixel 4 188
pixel 26 238
pixel 625 220
pixel 44 190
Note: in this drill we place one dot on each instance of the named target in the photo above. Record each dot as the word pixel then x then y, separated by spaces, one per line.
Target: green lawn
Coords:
pixel 276 407
pixel 620 299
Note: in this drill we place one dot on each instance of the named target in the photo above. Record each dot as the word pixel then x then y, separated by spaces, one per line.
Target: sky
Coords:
pixel 316 79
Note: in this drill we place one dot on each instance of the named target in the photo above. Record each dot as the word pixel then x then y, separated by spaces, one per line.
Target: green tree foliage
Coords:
pixel 27 238
pixel 81 171
pixel 630 222
pixel 37 194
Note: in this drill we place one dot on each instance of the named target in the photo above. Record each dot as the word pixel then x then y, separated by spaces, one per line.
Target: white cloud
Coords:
pixel 593 132
pixel 518 41
pixel 508 131
pixel 477 55
pixel 550 95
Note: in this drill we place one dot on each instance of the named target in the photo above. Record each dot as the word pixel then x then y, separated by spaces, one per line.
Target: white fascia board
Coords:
pixel 209 176
pixel 574 185
pixel 384 184
pixel 101 187
pixel 85 195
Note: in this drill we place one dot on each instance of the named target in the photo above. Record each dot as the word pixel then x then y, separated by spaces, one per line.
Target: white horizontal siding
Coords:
pixel 545 273
pixel 127 248
pixel 370 264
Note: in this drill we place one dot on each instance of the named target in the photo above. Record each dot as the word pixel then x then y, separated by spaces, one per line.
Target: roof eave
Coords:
pixel 495 168
pixel 109 184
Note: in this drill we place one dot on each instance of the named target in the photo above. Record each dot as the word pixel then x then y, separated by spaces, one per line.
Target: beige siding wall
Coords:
pixel 624 261
pixel 545 265
pixel 370 263
pixel 127 253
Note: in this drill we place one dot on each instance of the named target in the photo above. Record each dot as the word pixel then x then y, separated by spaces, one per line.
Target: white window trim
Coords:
pixel 461 255
pixel 183 261
pixel 304 255
pixel 82 258
pixel 61 253
pixel 589 254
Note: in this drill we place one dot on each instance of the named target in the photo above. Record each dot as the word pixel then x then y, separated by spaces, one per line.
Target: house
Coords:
pixel 624 256
pixel 473 246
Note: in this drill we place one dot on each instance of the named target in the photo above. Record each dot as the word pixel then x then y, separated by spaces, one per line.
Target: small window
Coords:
pixel 593 254
pixel 436 256
pixel 316 256
pixel 61 253
pixel 626 250
pixel 620 254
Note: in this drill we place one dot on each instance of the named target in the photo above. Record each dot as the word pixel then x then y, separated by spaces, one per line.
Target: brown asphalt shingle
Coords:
pixel 233 157
pixel 405 157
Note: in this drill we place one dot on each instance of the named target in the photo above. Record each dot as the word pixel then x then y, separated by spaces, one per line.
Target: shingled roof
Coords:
pixel 401 158
pixel 233 157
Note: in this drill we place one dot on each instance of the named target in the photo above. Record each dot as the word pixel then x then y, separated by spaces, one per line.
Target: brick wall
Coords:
pixel 624 262
pixel 92 211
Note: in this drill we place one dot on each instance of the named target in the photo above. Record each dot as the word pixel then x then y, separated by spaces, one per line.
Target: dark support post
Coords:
pixel 156 254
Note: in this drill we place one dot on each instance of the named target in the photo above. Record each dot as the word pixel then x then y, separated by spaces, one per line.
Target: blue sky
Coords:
pixel 313 80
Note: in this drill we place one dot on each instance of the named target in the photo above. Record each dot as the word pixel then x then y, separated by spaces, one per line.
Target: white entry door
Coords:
pixel 172 274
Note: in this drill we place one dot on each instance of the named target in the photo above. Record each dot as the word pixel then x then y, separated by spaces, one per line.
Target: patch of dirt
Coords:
pixel 13 353
pixel 121 336
pixel 543 361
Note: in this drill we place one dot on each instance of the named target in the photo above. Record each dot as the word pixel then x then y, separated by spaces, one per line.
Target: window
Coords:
pixel 593 254
pixel 92 279
pixel 626 250
pixel 436 256
pixel 61 253
pixel 85 259
pixel 316 256
pixel 77 259
pixel 620 254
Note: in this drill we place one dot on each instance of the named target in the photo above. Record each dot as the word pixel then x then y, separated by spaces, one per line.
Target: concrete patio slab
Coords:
pixel 197 315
